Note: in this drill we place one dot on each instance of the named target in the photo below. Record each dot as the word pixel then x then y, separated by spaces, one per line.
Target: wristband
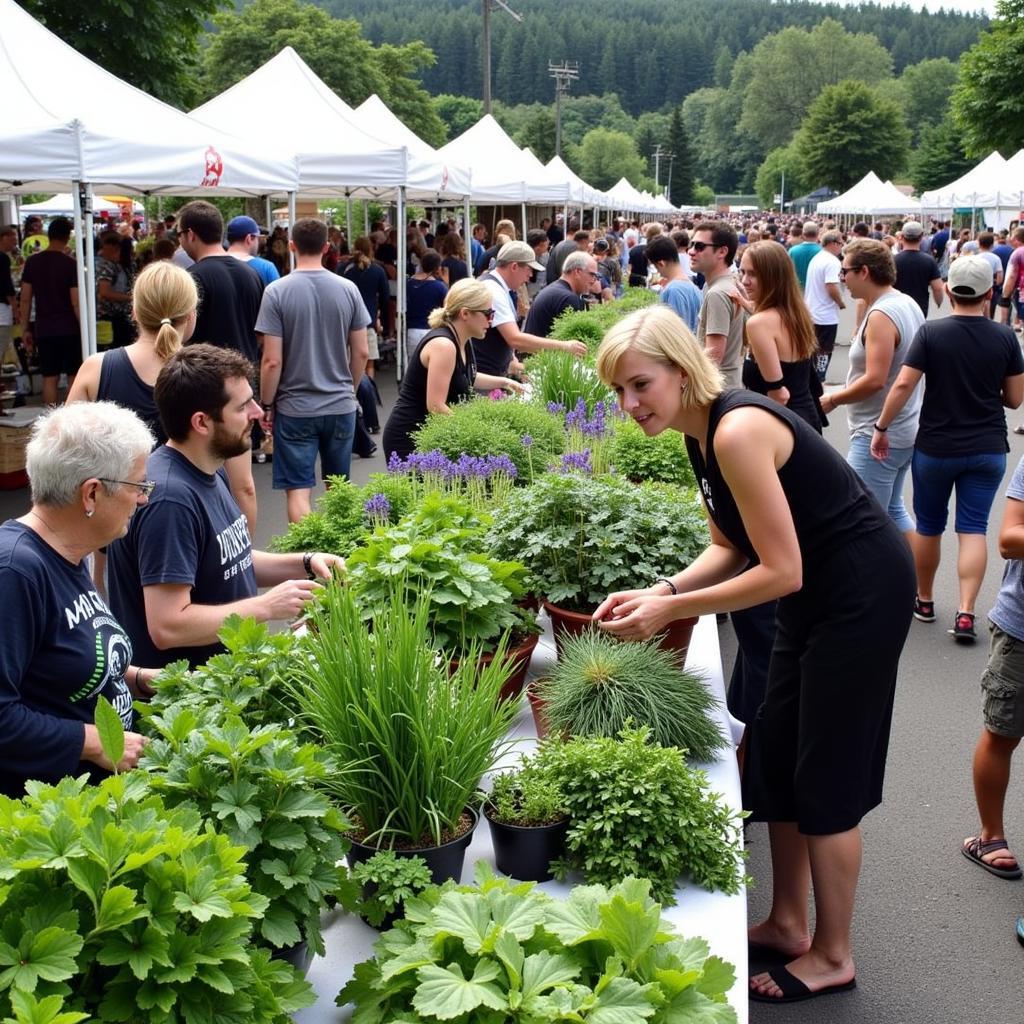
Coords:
pixel 774 385
pixel 881 430
pixel 307 565
pixel 1004 303
pixel 668 583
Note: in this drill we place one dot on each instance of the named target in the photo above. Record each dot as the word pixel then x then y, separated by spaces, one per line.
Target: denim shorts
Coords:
pixel 884 479
pixel 1003 685
pixel 299 439
pixel 976 478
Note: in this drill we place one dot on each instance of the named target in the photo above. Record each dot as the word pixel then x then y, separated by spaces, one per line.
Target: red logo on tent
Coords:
pixel 214 167
pixel 444 178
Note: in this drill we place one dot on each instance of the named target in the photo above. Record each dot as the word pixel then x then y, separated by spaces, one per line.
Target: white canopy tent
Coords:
pixel 626 197
pixel 69 124
pixel 871 196
pixel 63 205
pixel 995 185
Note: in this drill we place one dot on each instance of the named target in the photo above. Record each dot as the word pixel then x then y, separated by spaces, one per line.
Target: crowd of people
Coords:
pixel 138 543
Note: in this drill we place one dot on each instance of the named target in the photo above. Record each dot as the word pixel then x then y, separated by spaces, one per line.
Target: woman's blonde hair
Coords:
pixel 658 333
pixel 505 227
pixel 363 252
pixel 464 294
pixel 162 298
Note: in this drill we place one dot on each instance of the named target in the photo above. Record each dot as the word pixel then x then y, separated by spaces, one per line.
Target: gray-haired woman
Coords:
pixel 63 648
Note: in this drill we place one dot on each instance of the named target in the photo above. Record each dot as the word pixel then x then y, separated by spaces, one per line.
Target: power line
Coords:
pixel 487 7
pixel 564 75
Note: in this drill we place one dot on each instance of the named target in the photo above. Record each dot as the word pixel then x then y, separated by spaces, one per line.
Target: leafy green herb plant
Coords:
pixel 638 457
pixel 411 739
pixel 639 809
pixel 526 796
pixel 388 881
pixel 601 684
pixel 503 951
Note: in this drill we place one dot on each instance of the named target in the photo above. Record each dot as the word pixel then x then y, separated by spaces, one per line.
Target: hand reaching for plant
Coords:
pixel 609 607
pixel 287 600
pixel 92 750
pixel 638 616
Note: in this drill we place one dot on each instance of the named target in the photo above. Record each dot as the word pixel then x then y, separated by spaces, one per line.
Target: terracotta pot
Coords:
pixel 568 623
pixel 537 704
pixel 520 657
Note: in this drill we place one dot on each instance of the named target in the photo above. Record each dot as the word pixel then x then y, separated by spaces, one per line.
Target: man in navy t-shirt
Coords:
pixel 187 561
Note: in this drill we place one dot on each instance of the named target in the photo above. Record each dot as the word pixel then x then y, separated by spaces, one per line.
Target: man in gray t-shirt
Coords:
pixel 720 327
pixel 314 350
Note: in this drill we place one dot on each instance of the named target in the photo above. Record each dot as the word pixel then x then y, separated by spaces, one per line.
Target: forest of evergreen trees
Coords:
pixel 652 54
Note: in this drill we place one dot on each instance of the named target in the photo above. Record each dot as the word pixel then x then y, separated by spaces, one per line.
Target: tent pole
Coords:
pixel 82 264
pixel 348 220
pixel 291 225
pixel 366 218
pixel 523 235
pixel 268 213
pixel 400 353
pixel 467 234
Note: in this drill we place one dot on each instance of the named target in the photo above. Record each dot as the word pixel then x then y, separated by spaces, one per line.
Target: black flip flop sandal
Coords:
pixel 975 849
pixel 794 990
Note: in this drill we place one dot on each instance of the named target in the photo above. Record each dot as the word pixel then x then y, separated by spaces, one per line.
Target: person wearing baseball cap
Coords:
pixel 243 235
pixel 973 369
pixel 496 350
pixel 917 272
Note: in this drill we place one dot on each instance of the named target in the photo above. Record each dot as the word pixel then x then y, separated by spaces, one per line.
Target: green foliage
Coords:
pixel 703 195
pixel 988 101
pixel 601 684
pixel 603 156
pixel 127 910
pixel 582 537
pixel 539 135
pixel 336 51
pixel 768 182
pixel 339 521
pixel 261 788
pixel 638 809
pixel 411 739
pixel 939 156
pixel 388 881
pixel 246 680
pixel 925 89
pixel 458 113
pixel 849 131
pixel 560 378
pixel 526 796
pixel 437 552
pixel 506 951
pixel 638 457
pixel 680 176
pixel 162 60
pixel 486 427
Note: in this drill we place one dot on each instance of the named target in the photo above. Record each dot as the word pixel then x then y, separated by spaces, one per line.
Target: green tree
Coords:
pixel 988 100
pixel 682 182
pixel 791 67
pixel 768 183
pixel 334 48
pixel 939 156
pixel 539 134
pixel 161 58
pixel 648 131
pixel 926 88
pixel 703 195
pixel 457 113
pixel 604 156
pixel 849 130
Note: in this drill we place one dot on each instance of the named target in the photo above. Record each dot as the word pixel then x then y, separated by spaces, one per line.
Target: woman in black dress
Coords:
pixel 785 507
pixel 442 370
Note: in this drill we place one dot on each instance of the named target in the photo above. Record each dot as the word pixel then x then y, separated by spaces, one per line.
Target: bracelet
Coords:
pixel 774 385
pixel 881 430
pixel 138 677
pixel 668 583
pixel 307 564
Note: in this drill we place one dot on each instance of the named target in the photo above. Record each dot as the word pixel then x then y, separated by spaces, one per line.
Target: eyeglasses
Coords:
pixel 701 246
pixel 843 271
pixel 145 487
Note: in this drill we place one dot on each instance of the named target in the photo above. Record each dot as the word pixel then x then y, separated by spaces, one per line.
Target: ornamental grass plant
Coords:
pixel 411 740
pixel 601 684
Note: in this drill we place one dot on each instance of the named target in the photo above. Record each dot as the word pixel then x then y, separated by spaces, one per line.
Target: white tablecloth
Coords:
pixel 720 919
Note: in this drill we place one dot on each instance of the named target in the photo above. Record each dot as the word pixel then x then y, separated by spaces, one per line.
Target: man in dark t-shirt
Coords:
pixel 8 295
pixel 187 561
pixel 916 271
pixel 579 272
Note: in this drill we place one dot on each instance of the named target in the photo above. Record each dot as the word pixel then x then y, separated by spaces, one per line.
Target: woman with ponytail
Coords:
pixel 442 370
pixel 164 303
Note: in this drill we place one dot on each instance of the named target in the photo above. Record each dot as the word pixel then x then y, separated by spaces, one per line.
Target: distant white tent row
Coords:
pixel 995 185
pixel 873 197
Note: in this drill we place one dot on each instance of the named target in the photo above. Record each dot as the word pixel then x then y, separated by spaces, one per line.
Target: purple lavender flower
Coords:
pixel 378 508
pixel 396 463
pixel 526 441
pixel 556 408
pixel 501 464
pixel 577 461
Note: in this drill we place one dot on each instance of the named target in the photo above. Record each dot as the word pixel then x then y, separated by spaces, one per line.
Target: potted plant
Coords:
pixel 528 821
pixel 599 685
pixel 388 881
pixel 637 808
pixel 582 537
pixel 507 951
pixel 411 740
pixel 125 909
pixel 639 458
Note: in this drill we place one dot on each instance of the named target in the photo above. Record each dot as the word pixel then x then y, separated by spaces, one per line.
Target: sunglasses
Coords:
pixel 701 246
pixel 489 313
pixel 145 487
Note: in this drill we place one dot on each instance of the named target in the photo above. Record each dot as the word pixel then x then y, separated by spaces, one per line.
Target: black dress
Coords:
pixel 410 411
pixel 797 379
pixel 816 749
pixel 120 383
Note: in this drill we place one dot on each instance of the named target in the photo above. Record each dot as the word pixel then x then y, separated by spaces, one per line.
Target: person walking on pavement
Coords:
pixel 824 298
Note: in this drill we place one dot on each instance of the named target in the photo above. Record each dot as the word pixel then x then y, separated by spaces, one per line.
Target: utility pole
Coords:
pixel 657 164
pixel 564 75
pixel 671 162
pixel 486 60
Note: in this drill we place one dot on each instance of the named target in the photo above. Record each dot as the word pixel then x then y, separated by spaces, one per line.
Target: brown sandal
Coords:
pixel 977 848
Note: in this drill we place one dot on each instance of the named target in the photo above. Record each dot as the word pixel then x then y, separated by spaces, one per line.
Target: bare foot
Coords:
pixel 789 943
pixel 813 969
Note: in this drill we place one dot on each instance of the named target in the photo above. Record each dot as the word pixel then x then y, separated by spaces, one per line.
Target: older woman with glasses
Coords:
pixel 442 369
pixel 62 648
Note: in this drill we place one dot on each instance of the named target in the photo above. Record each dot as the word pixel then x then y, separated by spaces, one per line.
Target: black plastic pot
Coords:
pixel 443 861
pixel 300 956
pixel 526 853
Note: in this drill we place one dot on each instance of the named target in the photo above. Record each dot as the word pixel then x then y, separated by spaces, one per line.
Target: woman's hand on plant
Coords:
pixel 92 749
pixel 609 605
pixel 576 348
pixel 327 566
pixel 513 385
pixel 639 618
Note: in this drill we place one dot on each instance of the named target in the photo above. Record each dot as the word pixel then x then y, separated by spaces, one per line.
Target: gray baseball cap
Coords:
pixel 970 277
pixel 519 252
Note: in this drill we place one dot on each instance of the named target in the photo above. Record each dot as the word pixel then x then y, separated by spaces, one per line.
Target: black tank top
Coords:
pixel 120 383
pixel 829 504
pixel 410 410
pixel 797 379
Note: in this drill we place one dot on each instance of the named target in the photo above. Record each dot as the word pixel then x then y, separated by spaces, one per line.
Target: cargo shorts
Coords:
pixel 1002 683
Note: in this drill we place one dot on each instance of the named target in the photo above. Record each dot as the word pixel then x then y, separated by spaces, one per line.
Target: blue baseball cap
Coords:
pixel 239 227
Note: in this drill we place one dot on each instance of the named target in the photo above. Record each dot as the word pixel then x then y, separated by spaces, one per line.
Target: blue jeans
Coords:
pixel 883 479
pixel 298 440
pixel 976 478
